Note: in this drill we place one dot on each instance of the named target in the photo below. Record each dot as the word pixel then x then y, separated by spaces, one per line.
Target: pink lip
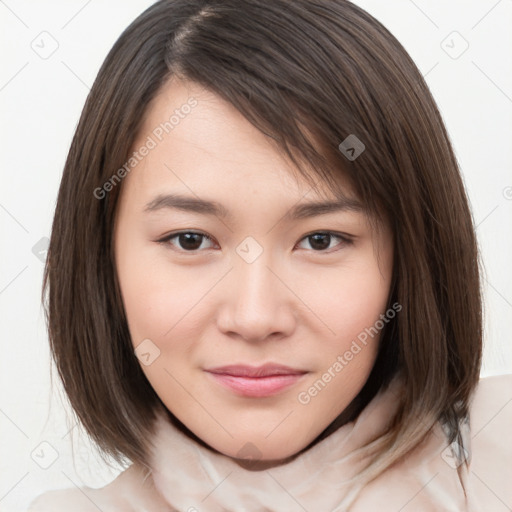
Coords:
pixel 259 381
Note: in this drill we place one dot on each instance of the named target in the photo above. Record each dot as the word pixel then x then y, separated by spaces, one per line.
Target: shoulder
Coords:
pixel 428 478
pixel 133 490
pixel 490 392
pixel 53 501
pixel 491 446
pixel 491 408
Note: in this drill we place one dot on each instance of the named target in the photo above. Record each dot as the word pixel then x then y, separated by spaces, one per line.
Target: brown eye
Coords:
pixel 188 241
pixel 321 241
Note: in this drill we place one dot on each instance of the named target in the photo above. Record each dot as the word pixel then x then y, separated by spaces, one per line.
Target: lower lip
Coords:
pixel 257 386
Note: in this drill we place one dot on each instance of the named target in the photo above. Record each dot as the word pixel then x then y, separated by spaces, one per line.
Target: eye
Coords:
pixel 188 241
pixel 322 240
pixel 192 241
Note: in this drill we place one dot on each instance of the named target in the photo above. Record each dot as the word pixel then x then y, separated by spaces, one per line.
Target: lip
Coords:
pixel 261 381
pixel 265 370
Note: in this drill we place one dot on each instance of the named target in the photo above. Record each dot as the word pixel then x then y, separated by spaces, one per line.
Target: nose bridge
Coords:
pixel 255 283
pixel 258 304
pixel 254 279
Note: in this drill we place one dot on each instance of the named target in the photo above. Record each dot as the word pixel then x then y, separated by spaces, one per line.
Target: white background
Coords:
pixel 41 100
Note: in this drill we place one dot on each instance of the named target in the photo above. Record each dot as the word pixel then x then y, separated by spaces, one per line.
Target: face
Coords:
pixel 223 269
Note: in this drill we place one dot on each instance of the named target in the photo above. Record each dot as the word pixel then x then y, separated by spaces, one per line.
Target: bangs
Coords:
pixel 306 102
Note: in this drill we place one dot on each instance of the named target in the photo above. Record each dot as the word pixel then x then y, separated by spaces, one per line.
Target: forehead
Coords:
pixel 201 144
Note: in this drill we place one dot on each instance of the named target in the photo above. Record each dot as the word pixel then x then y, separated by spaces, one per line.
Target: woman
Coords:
pixel 249 341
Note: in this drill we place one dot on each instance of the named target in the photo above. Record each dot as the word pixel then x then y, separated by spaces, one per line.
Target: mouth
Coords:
pixel 257 382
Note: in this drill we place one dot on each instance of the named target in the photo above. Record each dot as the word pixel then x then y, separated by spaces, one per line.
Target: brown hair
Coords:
pixel 307 73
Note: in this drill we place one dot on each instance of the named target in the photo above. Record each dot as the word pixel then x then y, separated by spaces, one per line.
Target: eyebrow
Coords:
pixel 205 207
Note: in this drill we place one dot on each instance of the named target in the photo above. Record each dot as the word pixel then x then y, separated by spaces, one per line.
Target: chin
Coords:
pixel 256 452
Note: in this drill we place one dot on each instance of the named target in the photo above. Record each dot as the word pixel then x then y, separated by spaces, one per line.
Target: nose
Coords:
pixel 257 305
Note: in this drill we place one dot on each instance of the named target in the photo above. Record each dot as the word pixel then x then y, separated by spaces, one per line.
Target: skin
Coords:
pixel 299 303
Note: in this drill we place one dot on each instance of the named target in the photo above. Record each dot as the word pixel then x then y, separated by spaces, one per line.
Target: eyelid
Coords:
pixel 345 236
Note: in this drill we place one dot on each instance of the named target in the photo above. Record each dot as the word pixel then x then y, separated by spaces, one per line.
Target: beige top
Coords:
pixel 188 477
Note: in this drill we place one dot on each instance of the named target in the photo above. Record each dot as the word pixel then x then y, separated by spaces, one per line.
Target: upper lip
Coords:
pixel 242 370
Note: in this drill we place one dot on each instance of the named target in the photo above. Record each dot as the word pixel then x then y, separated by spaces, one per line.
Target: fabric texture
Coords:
pixel 188 477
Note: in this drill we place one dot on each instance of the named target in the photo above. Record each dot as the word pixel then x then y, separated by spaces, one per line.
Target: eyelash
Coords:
pixel 345 240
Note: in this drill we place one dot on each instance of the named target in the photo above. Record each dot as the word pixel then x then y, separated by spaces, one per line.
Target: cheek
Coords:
pixel 350 300
pixel 162 305
pixel 157 303
pixel 350 303
pixel 163 301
